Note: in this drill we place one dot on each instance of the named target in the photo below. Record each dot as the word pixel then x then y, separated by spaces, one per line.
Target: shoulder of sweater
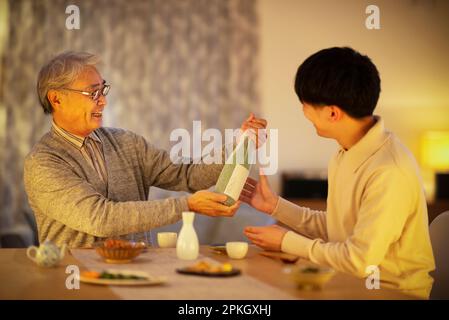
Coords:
pixel 397 162
pixel 51 145
pixel 115 132
pixel 45 145
pixel 118 134
pixel 396 155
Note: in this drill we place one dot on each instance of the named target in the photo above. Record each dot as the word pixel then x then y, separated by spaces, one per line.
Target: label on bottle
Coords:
pixel 236 182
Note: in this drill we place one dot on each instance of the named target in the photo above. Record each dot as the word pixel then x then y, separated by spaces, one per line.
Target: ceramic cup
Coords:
pixel 167 239
pixel 236 250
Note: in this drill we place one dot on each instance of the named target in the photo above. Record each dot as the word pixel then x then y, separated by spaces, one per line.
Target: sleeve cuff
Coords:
pixel 296 244
pixel 276 208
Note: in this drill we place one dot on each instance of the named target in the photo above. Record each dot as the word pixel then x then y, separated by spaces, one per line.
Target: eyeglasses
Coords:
pixel 95 95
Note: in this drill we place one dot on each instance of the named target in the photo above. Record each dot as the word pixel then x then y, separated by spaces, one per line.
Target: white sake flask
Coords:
pixel 187 246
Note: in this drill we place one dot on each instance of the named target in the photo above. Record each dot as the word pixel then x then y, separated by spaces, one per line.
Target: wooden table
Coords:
pixel 20 278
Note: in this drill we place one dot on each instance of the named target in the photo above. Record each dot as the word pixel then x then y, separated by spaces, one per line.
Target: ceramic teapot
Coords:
pixel 47 255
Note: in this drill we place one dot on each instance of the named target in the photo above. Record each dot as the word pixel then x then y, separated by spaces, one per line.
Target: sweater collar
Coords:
pixel 367 146
pixel 73 139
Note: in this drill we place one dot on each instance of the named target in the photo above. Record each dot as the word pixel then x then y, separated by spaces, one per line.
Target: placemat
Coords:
pixel 163 262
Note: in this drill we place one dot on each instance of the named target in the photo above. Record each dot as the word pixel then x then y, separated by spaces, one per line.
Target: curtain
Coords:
pixel 169 62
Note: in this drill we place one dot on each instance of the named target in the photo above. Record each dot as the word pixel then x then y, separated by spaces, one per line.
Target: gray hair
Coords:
pixel 60 72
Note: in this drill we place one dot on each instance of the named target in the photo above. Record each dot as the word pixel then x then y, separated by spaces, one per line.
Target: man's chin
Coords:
pixel 322 134
pixel 96 123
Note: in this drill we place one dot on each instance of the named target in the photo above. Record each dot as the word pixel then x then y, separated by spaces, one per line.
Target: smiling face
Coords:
pixel 321 118
pixel 78 113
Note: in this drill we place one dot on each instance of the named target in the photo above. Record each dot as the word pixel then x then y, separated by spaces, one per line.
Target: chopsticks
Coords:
pixel 281 256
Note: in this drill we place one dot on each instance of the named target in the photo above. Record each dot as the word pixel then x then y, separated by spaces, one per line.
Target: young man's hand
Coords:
pixel 211 204
pixel 259 194
pixel 268 238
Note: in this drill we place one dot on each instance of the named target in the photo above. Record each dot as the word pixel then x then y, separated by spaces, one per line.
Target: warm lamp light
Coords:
pixel 435 157
pixel 435 150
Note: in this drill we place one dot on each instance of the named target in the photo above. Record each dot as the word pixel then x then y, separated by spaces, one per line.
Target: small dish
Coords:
pixel 233 272
pixel 167 239
pixel 206 269
pixel 218 249
pixel 121 278
pixel 118 250
pixel 312 277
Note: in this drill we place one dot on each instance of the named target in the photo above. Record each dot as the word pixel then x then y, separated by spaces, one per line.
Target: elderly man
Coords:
pixel 85 182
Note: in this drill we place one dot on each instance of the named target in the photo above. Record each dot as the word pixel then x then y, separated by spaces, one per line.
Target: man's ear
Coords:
pixel 55 99
pixel 335 113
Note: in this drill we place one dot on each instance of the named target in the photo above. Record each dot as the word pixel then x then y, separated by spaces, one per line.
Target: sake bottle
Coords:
pixel 187 246
pixel 236 170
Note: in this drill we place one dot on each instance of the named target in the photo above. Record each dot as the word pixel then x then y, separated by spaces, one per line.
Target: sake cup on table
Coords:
pixel 236 249
pixel 167 239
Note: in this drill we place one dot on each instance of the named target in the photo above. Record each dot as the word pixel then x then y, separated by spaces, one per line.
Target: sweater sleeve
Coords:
pixel 310 223
pixel 55 189
pixel 385 206
pixel 160 171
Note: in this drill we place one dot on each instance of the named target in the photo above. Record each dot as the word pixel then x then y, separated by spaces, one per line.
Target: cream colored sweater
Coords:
pixel 376 215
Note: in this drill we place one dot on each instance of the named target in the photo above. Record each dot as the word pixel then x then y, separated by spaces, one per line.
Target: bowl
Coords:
pixel 236 249
pixel 167 239
pixel 118 250
pixel 312 277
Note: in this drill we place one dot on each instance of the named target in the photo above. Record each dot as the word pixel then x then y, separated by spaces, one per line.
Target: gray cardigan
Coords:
pixel 73 205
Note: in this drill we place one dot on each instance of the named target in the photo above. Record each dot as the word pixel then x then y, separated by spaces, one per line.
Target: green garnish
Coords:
pixel 310 270
pixel 119 276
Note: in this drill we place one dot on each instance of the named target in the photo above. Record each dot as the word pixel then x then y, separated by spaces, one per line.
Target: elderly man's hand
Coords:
pixel 268 238
pixel 211 204
pixel 255 124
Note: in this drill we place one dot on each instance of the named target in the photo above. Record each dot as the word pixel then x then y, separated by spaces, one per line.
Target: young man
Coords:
pixel 376 209
pixel 86 182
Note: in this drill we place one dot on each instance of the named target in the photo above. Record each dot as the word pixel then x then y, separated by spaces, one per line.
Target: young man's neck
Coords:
pixel 355 129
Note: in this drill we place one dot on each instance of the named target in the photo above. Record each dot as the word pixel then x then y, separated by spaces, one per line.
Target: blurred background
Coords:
pixel 174 61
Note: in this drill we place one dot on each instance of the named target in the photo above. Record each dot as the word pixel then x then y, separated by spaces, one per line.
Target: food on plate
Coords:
pixel 91 274
pixel 312 277
pixel 121 244
pixel 118 250
pixel 218 249
pixel 204 266
pixel 310 270
pixel 113 275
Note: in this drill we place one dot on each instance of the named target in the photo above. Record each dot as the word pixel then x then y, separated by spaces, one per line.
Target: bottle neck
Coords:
pixel 188 217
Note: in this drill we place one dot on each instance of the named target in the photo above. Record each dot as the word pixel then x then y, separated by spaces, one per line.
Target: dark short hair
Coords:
pixel 341 77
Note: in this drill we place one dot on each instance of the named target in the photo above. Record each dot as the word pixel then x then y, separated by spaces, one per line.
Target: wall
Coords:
pixel 410 50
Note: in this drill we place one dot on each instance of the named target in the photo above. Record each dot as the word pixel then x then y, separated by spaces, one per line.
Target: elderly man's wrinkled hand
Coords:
pixel 211 204
pixel 257 127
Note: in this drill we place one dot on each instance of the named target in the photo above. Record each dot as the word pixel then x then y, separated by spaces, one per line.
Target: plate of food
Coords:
pixel 218 249
pixel 208 269
pixel 121 278
pixel 118 250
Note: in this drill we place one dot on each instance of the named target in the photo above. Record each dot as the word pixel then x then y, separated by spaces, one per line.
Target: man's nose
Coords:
pixel 102 101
